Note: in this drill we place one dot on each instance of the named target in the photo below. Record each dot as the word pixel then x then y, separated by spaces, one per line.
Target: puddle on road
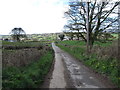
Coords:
pixel 76 73
pixel 77 77
pixel 86 86
pixel 91 77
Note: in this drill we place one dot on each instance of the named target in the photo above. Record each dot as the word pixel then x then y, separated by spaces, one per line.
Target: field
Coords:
pixel 103 57
pixel 115 35
pixel 26 64
pixel 37 37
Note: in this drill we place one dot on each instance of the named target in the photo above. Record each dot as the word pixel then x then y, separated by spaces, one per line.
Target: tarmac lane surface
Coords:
pixel 79 75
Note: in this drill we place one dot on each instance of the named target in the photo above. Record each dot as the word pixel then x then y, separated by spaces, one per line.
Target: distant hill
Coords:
pixel 45 36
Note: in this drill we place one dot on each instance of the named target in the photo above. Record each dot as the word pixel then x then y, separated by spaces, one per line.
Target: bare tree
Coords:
pixel 97 14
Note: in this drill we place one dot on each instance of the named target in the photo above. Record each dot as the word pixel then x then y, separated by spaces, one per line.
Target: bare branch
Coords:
pixel 109 12
pixel 110 24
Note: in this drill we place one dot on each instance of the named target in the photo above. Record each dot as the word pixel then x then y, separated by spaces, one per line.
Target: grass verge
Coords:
pixel 30 76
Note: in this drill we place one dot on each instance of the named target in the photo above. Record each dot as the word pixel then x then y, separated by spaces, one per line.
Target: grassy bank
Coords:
pixel 104 64
pixel 30 76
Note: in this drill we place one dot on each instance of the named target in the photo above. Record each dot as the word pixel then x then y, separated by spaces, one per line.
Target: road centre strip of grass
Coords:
pixel 108 67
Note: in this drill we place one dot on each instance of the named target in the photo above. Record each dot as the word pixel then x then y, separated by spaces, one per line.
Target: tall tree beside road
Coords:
pixel 93 17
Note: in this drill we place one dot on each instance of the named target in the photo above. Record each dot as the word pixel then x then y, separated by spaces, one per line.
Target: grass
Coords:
pixel 82 43
pixel 115 35
pixel 30 76
pixel 103 44
pixel 107 66
pixel 73 42
pixel 29 44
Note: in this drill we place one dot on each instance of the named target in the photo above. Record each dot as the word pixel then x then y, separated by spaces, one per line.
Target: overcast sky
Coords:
pixel 34 16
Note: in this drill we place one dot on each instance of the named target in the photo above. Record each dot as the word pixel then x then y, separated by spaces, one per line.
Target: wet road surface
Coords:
pixel 80 75
pixel 58 80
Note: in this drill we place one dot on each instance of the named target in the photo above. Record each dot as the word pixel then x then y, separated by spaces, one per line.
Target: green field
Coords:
pixel 115 35
pixel 82 43
pixel 36 37
pixel 29 44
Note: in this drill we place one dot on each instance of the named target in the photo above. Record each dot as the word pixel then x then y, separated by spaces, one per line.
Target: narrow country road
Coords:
pixel 58 80
pixel 69 71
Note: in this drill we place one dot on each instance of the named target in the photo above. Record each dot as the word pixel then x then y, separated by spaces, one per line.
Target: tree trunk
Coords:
pixel 77 36
pixel 18 39
pixel 83 37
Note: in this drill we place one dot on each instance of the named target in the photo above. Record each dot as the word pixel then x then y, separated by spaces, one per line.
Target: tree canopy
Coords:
pixel 18 33
pixel 61 36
